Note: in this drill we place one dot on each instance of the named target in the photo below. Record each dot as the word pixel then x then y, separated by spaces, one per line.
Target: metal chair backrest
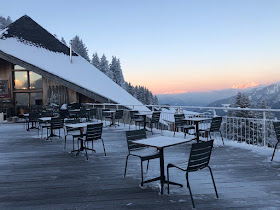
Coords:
pixel 104 114
pixel 92 112
pixel 216 124
pixel 135 135
pixel 34 116
pixel 75 106
pixel 155 117
pixel 179 119
pixel 83 112
pixel 47 113
pixel 277 130
pixel 132 114
pixel 119 114
pixel 57 123
pixel 200 155
pixel 94 132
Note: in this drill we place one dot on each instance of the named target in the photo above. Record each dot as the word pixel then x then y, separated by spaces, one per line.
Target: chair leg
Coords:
pixel 274 151
pixel 222 138
pixel 142 178
pixel 103 147
pixel 188 185
pixel 167 179
pixel 64 142
pixel 125 165
pixel 73 144
pixel 86 152
pixel 213 181
pixel 148 165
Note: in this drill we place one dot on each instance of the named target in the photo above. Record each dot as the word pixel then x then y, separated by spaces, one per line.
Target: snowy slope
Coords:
pixel 80 72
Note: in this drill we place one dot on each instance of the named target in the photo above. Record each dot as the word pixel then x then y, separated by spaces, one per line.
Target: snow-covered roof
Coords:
pixel 52 58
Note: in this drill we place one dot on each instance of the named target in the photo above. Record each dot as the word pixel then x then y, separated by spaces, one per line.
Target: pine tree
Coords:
pixel 119 75
pixel 79 47
pixel 155 100
pixel 95 61
pixel 5 22
pixel 63 41
pixel 104 66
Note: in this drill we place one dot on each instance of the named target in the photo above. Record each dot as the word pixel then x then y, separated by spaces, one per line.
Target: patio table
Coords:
pixel 161 142
pixel 196 121
pixel 81 126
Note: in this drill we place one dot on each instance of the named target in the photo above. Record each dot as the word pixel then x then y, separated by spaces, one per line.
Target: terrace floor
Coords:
pixel 39 174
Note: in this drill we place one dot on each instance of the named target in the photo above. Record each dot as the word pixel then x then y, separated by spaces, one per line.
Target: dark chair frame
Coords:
pixel 56 123
pixel 94 133
pixel 155 119
pixel 137 135
pixel 277 133
pixel 199 159
pixel 215 127
pixel 69 130
pixel 180 123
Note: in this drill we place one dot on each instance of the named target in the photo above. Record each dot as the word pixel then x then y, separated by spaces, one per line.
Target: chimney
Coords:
pixel 70 45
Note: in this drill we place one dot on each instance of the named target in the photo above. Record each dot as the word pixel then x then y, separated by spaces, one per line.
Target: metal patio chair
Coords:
pixel 94 133
pixel 74 132
pixel 144 153
pixel 181 124
pixel 214 127
pixel 277 133
pixel 199 158
pixel 154 120
pixel 56 123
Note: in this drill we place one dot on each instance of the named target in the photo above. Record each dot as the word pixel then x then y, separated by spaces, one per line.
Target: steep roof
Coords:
pixel 27 30
pixel 26 43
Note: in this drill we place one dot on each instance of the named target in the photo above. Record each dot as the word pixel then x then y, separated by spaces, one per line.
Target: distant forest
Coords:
pixel 112 69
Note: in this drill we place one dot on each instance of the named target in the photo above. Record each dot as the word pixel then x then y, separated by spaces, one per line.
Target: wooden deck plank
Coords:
pixel 39 174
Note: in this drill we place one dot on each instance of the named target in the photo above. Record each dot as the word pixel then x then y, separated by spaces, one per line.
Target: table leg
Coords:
pixel 197 131
pixel 162 177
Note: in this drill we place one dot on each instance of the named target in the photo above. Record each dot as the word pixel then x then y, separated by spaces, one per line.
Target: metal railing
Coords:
pixel 256 131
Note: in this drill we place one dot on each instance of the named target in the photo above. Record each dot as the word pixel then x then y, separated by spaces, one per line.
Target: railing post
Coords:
pixel 264 129
pixel 214 113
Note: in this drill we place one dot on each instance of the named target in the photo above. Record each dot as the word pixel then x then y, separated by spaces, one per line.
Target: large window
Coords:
pixel 27 89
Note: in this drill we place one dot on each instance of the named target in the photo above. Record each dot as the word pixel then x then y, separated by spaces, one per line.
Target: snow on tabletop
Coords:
pixel 163 141
pixel 79 72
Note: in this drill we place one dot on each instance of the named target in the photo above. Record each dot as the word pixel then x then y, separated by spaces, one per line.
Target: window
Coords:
pixel 21 80
pixel 27 89
pixel 35 80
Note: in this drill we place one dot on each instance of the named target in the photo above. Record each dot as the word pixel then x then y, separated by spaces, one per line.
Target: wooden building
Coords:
pixel 36 67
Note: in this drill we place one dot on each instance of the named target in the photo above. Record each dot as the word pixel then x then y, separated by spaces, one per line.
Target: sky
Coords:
pixel 170 46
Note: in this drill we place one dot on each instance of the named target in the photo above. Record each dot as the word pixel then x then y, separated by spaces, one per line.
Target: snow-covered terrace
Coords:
pixel 39 174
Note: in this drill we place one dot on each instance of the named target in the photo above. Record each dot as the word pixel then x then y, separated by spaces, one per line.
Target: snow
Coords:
pixel 79 72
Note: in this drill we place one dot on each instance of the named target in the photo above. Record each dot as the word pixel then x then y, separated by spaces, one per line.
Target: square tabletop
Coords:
pixel 163 141
pixel 44 119
pixel 197 119
pixel 79 125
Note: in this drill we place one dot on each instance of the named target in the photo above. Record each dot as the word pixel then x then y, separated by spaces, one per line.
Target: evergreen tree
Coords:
pixel 119 75
pixel 96 61
pixel 104 65
pixel 242 101
pixel 155 100
pixel 63 41
pixel 112 69
pixel 5 22
pixel 79 47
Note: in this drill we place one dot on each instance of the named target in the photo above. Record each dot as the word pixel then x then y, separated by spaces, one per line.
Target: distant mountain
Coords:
pixel 270 94
pixel 196 98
